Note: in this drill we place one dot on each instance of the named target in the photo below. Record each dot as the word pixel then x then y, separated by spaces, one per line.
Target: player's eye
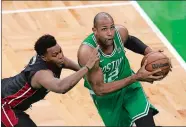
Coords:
pixel 54 55
pixel 104 29
pixel 112 27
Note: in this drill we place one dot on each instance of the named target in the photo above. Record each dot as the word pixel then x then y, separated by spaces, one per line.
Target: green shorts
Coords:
pixel 123 107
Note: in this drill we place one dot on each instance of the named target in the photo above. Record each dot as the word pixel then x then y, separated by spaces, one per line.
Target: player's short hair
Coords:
pixel 43 43
pixel 100 14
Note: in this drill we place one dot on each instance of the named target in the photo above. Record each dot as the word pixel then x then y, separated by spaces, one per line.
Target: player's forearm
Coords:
pixel 147 50
pixel 136 45
pixel 69 82
pixel 74 67
pixel 116 85
pixel 69 64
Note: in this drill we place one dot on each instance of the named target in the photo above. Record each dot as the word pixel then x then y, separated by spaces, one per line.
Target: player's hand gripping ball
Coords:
pixel 156 60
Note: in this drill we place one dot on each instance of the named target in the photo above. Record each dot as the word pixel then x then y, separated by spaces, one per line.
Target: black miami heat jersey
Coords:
pixel 17 91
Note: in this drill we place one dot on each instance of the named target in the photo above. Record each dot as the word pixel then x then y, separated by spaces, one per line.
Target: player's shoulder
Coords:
pixel 89 42
pixel 36 63
pixel 123 31
pixel 85 49
pixel 89 37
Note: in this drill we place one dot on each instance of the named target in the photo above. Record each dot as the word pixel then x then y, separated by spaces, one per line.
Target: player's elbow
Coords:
pixel 64 88
pixel 59 89
pixel 99 91
pixel 64 92
pixel 67 85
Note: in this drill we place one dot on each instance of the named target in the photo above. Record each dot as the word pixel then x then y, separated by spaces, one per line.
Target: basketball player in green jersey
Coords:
pixel 114 87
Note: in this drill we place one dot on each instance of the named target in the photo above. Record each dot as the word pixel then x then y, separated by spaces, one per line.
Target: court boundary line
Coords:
pixel 65 8
pixel 133 3
pixel 155 29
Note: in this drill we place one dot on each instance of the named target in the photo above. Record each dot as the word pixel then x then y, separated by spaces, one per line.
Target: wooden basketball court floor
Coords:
pixel 70 26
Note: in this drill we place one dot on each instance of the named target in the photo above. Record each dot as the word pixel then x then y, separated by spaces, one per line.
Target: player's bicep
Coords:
pixel 95 75
pixel 46 79
pixel 96 80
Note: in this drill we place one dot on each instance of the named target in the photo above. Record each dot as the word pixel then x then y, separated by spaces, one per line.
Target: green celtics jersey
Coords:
pixel 115 66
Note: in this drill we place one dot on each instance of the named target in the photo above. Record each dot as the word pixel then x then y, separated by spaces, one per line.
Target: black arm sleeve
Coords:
pixel 135 45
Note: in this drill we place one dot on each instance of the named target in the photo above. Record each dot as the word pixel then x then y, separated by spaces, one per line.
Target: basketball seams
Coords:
pixel 155 63
pixel 162 70
pixel 145 57
pixel 156 60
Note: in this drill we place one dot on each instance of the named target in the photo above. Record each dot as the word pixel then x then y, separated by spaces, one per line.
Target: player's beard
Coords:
pixel 60 65
pixel 109 42
pixel 55 64
pixel 103 42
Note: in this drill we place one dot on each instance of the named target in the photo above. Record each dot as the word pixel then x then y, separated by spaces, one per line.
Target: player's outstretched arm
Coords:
pixel 45 78
pixel 95 75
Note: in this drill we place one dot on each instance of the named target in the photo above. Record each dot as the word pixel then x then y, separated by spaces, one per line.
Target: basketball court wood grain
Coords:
pixel 70 27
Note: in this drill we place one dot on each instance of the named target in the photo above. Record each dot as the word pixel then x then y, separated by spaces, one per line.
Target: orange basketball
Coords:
pixel 156 60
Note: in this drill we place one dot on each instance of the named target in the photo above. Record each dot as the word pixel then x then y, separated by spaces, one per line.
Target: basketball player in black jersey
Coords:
pixel 40 76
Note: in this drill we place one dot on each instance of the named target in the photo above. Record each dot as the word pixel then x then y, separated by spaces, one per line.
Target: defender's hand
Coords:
pixel 93 58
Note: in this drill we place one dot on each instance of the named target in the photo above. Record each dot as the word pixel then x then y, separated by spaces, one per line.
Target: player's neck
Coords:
pixel 107 49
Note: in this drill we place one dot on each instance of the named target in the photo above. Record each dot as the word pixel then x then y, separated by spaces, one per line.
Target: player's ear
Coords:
pixel 94 30
pixel 44 57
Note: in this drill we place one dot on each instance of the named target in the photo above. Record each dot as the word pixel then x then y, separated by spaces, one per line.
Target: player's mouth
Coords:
pixel 60 62
pixel 110 40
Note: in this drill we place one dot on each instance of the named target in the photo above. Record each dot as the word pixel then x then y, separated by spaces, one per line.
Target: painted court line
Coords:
pixel 65 8
pixel 159 34
pixel 136 6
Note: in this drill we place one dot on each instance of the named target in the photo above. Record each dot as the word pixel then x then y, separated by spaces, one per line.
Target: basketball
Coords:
pixel 156 60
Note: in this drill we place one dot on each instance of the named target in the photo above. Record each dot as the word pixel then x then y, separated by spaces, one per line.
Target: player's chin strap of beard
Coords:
pixel 136 45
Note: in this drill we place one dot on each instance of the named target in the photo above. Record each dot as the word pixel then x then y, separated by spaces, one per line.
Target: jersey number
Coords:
pixel 112 76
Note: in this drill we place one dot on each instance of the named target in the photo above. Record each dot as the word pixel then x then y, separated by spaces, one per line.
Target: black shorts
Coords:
pixel 23 120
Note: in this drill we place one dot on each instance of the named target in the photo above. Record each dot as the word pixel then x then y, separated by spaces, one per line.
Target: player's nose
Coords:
pixel 60 56
pixel 109 33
